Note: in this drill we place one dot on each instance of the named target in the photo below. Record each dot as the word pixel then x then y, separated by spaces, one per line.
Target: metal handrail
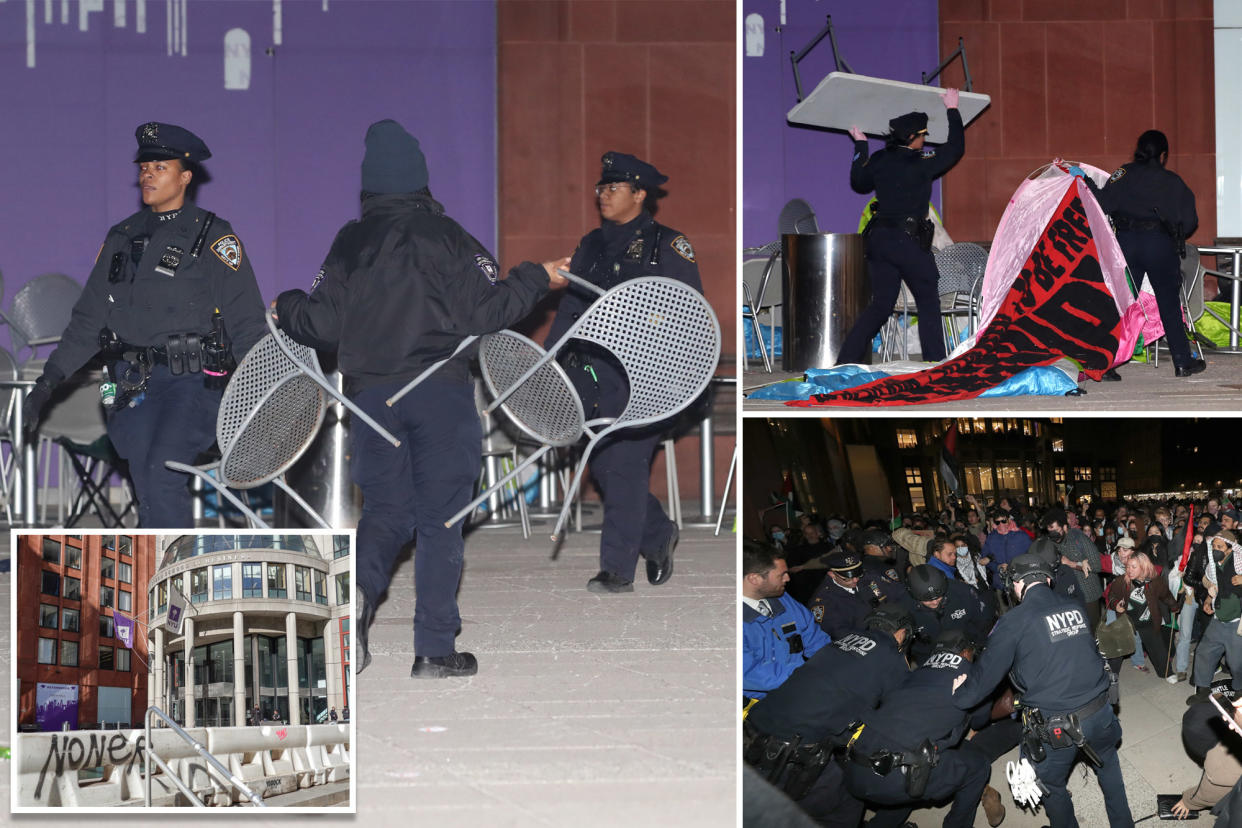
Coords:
pixel 212 762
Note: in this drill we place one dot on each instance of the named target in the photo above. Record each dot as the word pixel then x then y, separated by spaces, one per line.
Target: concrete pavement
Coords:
pixel 1143 388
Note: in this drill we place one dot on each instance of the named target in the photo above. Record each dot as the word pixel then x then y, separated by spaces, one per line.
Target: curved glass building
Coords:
pixel 266 625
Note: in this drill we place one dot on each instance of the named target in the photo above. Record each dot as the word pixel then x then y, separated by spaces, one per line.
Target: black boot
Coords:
pixel 1201 695
pixel 366 615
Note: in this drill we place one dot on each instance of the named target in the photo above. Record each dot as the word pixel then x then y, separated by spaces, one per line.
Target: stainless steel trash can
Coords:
pixel 321 476
pixel 825 279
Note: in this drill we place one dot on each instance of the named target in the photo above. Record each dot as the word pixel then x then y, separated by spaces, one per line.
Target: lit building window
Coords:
pixel 1058 445
pixel 907 438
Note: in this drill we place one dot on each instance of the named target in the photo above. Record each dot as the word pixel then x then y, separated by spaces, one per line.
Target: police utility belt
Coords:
pixel 129 366
pixel 1060 730
pixel 915 765
pixel 788 763
pixel 920 229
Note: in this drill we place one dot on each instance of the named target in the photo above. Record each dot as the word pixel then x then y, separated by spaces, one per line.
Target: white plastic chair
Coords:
pixel 269 415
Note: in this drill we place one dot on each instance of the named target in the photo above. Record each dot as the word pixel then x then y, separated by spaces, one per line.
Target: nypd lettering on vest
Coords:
pixel 958 613
pixel 944 661
pixel 1062 625
pixel 855 643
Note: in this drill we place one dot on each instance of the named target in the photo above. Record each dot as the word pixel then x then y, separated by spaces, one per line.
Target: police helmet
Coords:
pixel 955 640
pixel 1028 567
pixel 874 537
pixel 890 618
pixel 927 583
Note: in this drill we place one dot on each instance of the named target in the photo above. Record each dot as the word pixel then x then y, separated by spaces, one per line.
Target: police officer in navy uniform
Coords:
pixel 1049 652
pixel 899 233
pixel 880 577
pixel 910 750
pixel 1154 211
pixel 628 244
pixel 938 604
pixel 398 292
pixel 815 711
pixel 840 604
pixel 173 304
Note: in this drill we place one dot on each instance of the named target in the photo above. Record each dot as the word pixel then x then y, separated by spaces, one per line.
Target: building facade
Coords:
pixel 266 625
pixel 73 670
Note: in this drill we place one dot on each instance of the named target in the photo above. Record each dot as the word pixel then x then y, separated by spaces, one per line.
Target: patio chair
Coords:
pixel 269 415
pixel 666 338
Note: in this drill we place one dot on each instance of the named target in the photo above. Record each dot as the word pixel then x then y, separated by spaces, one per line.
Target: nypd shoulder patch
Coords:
pixel 1118 174
pixel 488 266
pixel 228 250
pixel 682 245
pixel 818 612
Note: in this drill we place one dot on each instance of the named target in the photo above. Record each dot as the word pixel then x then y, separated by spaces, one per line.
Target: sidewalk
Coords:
pixel 611 710
pixel 1143 388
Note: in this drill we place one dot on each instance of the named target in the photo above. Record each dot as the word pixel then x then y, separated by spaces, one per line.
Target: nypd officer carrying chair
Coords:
pixel 666 338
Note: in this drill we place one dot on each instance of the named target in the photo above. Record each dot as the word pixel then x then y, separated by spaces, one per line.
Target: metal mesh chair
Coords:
pixel 545 406
pixel 961 268
pixel 763 293
pixel 666 338
pixel 40 313
pixel 797 217
pixel 269 415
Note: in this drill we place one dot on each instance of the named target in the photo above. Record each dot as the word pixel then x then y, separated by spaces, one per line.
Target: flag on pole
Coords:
pixel 124 629
pixel 948 462
pixel 894 521
pixel 176 611
pixel 1190 533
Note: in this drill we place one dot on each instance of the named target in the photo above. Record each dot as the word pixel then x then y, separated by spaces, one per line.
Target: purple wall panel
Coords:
pixel 894 39
pixel 286 150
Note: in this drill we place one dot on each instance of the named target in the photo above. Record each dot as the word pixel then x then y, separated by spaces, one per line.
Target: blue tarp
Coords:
pixel 1041 381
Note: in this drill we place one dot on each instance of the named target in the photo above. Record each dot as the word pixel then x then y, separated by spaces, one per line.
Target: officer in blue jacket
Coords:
pixel 778 633
pixel 910 750
pixel 1048 650
pixel 172 304
pixel 791 735
pixel 841 603
pixel 628 244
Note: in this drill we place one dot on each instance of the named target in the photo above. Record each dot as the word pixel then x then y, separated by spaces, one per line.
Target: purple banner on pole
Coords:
pixel 124 629
pixel 56 706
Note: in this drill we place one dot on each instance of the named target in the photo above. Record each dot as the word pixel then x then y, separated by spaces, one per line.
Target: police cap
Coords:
pixel 1029 566
pixel 618 166
pixel 905 127
pixel 158 142
pixel 927 583
pixel 845 564
pixel 890 618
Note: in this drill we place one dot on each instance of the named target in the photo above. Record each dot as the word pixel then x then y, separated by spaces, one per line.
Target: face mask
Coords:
pixel 961 551
pixel 778 536
pixel 1219 556
pixel 1056 537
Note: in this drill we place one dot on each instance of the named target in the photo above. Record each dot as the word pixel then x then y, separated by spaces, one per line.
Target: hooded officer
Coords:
pixel 938 604
pixel 1154 211
pixel 841 603
pixel 818 707
pixel 173 303
pixel 398 292
pixel 1047 648
pixel 910 750
pixel 628 244
pixel 899 233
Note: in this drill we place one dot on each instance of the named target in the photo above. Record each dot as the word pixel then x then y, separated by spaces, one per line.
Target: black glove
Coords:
pixel 33 406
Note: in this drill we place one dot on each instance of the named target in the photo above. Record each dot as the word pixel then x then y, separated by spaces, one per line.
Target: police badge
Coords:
pixel 485 264
pixel 228 250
